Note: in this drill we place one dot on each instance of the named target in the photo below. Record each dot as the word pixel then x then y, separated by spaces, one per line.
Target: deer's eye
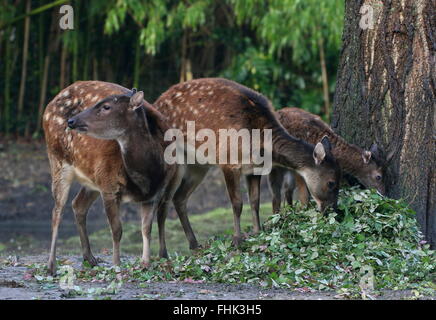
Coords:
pixel 106 107
pixel 331 184
pixel 378 177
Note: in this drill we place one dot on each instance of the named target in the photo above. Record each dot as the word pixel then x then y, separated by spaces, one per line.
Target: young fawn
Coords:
pixel 366 166
pixel 216 104
pixel 116 150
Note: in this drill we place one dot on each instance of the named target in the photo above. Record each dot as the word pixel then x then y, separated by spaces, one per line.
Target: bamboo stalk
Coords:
pixel 325 83
pixel 24 64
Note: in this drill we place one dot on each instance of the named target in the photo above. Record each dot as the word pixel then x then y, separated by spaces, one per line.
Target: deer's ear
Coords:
pixel 375 150
pixel 390 156
pixel 366 156
pixel 326 144
pixel 137 100
pixel 319 153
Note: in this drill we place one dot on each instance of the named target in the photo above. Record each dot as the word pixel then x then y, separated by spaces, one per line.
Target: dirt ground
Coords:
pixel 15 284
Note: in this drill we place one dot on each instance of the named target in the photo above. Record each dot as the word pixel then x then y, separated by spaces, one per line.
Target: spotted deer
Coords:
pixel 216 104
pixel 110 140
pixel 365 165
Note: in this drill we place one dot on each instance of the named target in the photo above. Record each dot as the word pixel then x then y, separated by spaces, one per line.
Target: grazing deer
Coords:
pixel 366 166
pixel 216 104
pixel 116 150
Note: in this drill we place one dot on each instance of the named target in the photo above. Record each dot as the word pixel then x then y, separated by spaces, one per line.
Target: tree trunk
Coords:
pixel 385 93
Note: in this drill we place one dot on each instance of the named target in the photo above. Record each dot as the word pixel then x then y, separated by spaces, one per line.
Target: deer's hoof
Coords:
pixel 163 254
pixel 51 268
pixel 237 241
pixel 194 246
pixel 93 261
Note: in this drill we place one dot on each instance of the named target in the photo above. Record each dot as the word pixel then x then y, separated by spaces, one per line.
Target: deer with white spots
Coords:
pixel 365 165
pixel 111 141
pixel 216 104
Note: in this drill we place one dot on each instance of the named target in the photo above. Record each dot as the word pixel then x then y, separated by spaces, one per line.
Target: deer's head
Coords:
pixel 113 116
pixel 371 173
pixel 323 177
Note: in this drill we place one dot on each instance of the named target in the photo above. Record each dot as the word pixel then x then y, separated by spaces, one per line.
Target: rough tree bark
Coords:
pixel 386 93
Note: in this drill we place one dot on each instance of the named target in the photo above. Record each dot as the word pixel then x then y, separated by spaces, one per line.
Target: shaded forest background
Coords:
pixel 288 50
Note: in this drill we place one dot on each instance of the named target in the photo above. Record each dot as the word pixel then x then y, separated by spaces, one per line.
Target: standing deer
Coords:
pixel 216 104
pixel 115 150
pixel 366 166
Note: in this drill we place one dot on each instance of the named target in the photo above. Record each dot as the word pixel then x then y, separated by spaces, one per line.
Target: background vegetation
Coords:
pixel 287 49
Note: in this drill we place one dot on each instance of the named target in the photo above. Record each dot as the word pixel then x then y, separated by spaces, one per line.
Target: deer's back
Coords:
pixel 96 163
pixel 304 125
pixel 215 103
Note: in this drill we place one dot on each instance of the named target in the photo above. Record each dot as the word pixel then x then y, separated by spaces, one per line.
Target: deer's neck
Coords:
pixel 143 159
pixel 291 152
pixel 349 156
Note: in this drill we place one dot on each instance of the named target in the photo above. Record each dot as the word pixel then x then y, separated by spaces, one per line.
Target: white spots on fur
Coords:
pixel 66 93
pixel 59 120
pixel 81 91
pixel 95 99
pixel 178 94
pixel 76 101
pixel 88 96
pixel 47 116
pixel 68 103
pixel 195 111
pixel 210 92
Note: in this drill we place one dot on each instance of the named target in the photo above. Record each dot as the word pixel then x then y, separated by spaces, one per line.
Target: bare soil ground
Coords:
pixel 15 284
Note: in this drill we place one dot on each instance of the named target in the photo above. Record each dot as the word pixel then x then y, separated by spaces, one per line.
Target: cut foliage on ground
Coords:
pixel 374 245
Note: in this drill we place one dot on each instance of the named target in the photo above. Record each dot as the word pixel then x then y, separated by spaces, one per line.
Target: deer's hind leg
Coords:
pixel 81 204
pixel 164 203
pixel 62 177
pixel 233 184
pixel 253 183
pixel 191 179
pixel 275 182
